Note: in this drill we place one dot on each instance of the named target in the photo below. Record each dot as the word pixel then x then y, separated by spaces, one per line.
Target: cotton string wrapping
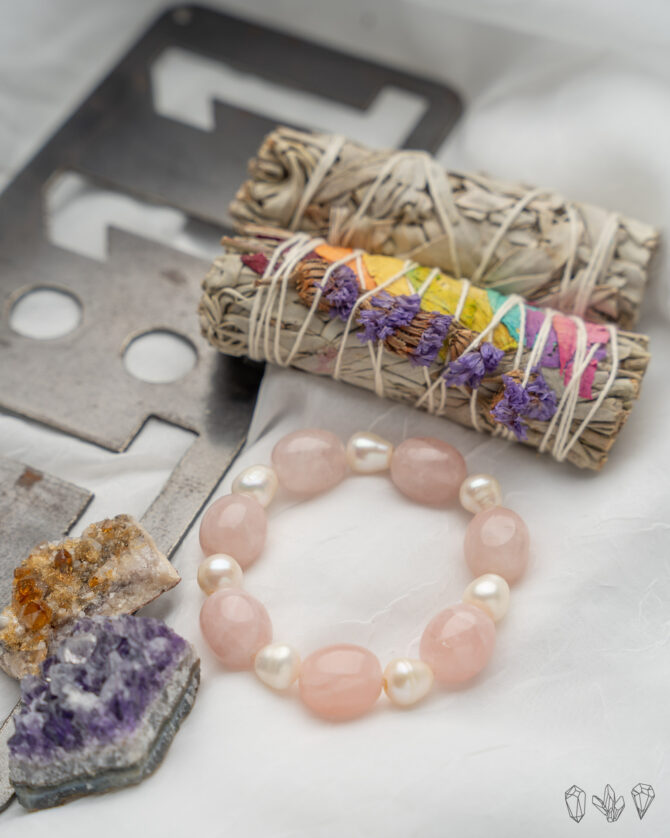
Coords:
pixel 320 171
pixel 240 303
pixel 428 165
pixel 582 285
pixel 277 276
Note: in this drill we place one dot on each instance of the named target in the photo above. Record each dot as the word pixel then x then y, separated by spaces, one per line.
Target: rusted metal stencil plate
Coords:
pixel 119 140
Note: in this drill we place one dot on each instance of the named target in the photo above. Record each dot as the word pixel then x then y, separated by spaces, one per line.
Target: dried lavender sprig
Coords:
pixel 470 369
pixel 534 401
pixel 387 314
pixel 431 341
pixel 341 292
pixel 543 402
pixel 510 409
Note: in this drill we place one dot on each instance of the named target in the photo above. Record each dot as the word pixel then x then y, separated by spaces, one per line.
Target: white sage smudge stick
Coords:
pixel 572 256
pixel 411 333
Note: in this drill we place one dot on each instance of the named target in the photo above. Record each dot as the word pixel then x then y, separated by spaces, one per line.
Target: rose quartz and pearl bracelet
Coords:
pixel 344 681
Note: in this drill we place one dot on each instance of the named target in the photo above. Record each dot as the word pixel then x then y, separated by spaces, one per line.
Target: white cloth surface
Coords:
pixel 577 690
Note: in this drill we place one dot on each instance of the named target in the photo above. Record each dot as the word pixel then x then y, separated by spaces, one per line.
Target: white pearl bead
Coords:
pixel 259 482
pixel 479 492
pixel 277 665
pixel 407 681
pixel 219 571
pixel 368 453
pixel 489 592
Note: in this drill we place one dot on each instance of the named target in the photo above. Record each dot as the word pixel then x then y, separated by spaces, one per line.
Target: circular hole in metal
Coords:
pixel 45 313
pixel 160 356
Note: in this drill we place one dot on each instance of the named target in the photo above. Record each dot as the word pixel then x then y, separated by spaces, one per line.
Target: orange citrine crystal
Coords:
pixel 34 615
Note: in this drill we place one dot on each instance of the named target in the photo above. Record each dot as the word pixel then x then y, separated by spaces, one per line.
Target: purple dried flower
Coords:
pixel 470 369
pixel 431 341
pixel 516 396
pixel 512 407
pixel 389 313
pixel 543 402
pixel 510 420
pixel 372 320
pixel 341 292
pixel 491 356
pixel 535 401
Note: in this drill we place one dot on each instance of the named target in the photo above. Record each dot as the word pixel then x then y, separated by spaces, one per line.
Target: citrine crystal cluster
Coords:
pixel 114 568
pixel 102 710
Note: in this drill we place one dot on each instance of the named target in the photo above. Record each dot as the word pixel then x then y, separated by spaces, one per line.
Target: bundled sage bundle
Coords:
pixel 412 333
pixel 571 256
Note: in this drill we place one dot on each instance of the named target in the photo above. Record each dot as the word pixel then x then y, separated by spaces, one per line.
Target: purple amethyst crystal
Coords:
pixel 534 401
pixel 102 711
pixel 341 292
pixel 470 369
pixel 389 313
pixel 431 341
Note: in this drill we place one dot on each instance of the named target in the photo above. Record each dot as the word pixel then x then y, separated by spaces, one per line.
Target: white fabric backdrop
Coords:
pixel 577 691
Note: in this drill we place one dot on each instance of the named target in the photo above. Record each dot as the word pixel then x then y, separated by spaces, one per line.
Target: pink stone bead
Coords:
pixel 309 462
pixel 428 470
pixel 340 682
pixel 458 643
pixel 235 626
pixel 496 541
pixel 236 525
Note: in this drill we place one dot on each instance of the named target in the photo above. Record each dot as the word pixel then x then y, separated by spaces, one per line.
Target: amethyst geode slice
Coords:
pixel 102 711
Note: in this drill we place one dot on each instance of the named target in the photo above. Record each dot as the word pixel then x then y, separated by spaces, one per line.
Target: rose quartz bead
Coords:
pixel 309 462
pixel 340 682
pixel 236 525
pixel 496 541
pixel 428 470
pixel 235 626
pixel 458 643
